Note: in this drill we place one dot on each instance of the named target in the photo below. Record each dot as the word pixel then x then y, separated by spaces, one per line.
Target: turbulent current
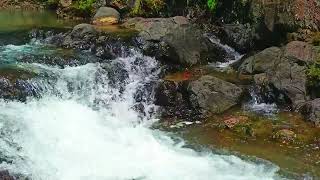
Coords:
pixel 81 122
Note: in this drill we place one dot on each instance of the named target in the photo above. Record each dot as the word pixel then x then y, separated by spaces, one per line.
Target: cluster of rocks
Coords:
pixel 281 75
pixel 196 99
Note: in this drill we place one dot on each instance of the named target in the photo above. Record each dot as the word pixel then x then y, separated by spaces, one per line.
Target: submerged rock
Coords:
pixel 284 135
pixel 106 16
pixel 311 111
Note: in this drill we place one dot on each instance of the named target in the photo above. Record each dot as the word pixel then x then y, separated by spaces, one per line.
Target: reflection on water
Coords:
pixel 18 19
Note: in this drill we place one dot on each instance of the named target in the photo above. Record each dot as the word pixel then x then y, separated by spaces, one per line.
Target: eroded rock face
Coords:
pixel 183 38
pixel 311 111
pixel 197 99
pixel 281 72
pixel 106 16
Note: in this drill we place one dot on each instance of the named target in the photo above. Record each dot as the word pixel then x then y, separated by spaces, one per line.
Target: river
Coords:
pixel 76 123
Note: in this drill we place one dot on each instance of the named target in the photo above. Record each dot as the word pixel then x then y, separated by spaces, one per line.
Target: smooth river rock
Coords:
pixel 106 16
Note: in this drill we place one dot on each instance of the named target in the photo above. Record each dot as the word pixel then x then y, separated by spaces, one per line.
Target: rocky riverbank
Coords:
pixel 278 59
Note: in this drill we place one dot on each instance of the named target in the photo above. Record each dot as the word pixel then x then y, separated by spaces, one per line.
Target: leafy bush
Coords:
pixel 84 5
pixel 313 74
pixel 212 4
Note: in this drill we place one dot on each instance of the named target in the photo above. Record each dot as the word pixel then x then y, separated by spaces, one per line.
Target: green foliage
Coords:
pixel 84 5
pixel 212 4
pixel 145 7
pixel 313 74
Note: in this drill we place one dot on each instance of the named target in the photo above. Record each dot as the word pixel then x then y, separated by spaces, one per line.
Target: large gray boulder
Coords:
pixel 177 35
pixel 213 95
pixel 106 16
pixel 81 30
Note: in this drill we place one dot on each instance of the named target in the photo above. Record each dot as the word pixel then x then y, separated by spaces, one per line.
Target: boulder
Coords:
pixel 262 61
pixel 106 16
pixel 82 30
pixel 300 50
pixel 179 36
pixel 275 71
pixel 212 95
pixel 239 36
pixel 81 37
pixel 311 111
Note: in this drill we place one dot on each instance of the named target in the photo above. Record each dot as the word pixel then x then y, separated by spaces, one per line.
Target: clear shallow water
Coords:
pixel 81 127
pixel 12 20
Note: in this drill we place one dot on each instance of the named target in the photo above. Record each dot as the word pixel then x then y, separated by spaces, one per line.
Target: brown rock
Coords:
pixel 300 50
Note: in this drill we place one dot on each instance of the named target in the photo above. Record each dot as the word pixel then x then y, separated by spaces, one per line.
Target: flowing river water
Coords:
pixel 78 122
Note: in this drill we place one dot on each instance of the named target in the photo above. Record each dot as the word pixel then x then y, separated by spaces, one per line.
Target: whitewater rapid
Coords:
pixel 80 127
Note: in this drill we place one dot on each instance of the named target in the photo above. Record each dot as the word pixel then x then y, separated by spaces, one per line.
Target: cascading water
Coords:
pixel 82 125
pixel 233 55
pixel 258 105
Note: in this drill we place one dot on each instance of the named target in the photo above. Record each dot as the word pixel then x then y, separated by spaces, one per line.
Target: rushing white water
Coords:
pixel 233 55
pixel 257 105
pixel 82 128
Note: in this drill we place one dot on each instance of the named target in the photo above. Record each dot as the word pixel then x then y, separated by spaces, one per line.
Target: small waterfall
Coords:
pixel 233 55
pixel 257 104
pixel 84 125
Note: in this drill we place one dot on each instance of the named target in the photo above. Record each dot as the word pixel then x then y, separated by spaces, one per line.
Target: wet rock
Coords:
pixel 178 35
pixel 284 136
pixel 83 30
pixel 196 99
pixel 283 75
pixel 106 16
pixel 213 95
pixel 239 36
pixel 311 111
pixel 174 101
pixel 17 90
pixel 166 93
pixel 82 37
pixel 5 175
pixel 117 74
